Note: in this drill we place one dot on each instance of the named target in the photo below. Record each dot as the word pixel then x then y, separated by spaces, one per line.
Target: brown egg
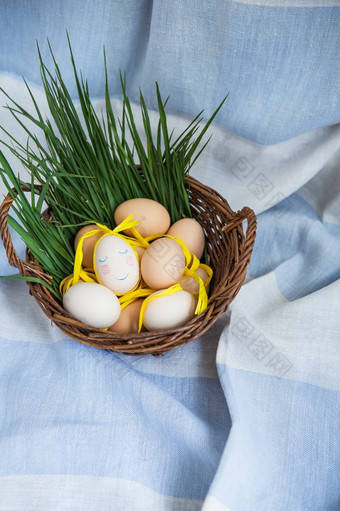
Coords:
pixel 88 244
pixel 153 217
pixel 163 263
pixel 190 284
pixel 129 319
pixel 191 233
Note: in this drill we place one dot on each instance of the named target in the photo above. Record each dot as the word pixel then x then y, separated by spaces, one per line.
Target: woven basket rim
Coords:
pixel 156 342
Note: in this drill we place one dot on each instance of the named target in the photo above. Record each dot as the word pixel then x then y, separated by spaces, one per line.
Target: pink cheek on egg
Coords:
pixel 129 260
pixel 106 269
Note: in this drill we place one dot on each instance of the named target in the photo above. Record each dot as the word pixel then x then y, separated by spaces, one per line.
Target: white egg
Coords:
pixel 116 264
pixel 169 311
pixel 93 304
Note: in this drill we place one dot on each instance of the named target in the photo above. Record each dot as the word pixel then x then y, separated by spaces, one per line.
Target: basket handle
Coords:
pixel 13 258
pixel 247 246
pixel 245 213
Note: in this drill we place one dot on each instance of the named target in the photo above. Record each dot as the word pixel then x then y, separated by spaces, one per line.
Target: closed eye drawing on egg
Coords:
pixel 119 252
pixel 116 264
pixel 106 269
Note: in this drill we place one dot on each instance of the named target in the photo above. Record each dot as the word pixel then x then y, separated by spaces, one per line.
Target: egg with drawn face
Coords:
pixel 116 264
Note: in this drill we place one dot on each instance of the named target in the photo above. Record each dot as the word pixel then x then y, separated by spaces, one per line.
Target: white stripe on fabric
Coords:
pixel 212 504
pixel 269 335
pixel 196 359
pixel 85 493
pixel 21 317
pixel 22 320
pixel 244 172
pixel 290 3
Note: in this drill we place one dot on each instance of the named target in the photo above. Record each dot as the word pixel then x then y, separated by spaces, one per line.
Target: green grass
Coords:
pixel 86 167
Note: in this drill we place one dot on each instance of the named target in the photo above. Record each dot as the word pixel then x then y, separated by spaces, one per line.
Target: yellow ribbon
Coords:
pixel 166 292
pixel 139 291
pixel 85 274
pixel 79 272
pixel 190 271
pixel 131 296
pixel 191 264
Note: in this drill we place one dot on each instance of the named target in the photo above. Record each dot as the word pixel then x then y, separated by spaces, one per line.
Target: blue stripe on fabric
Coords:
pixel 276 64
pixel 280 65
pixel 301 249
pixel 121 26
pixel 70 409
pixel 291 3
pixel 283 452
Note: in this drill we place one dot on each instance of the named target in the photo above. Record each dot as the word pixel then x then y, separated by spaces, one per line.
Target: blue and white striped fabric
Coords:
pixel 248 416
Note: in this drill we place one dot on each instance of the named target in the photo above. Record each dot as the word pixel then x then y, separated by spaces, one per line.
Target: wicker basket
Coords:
pixel 229 250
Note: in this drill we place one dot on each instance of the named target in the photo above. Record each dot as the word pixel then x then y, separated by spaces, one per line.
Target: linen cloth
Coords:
pixel 246 417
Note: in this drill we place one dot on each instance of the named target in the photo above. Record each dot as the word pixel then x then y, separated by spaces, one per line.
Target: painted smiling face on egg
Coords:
pixel 116 264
